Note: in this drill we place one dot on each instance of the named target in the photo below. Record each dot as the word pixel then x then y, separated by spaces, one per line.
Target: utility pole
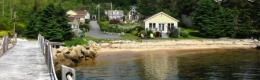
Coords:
pixel 111 5
pixel 98 10
pixel 3 9
pixel 14 18
pixel 11 10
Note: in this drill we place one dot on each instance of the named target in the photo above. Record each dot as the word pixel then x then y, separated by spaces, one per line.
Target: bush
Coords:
pixel 84 26
pixel 104 28
pixel 184 34
pixel 175 34
pixel 135 32
pixel 87 21
pixel 3 33
pixel 143 32
pixel 74 42
pixel 149 31
pixel 114 21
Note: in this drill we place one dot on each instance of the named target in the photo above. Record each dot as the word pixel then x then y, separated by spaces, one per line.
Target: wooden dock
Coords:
pixel 23 62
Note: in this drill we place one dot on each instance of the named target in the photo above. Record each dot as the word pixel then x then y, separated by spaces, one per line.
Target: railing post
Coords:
pixel 51 66
pixel 3 45
pixel 7 41
pixel 67 73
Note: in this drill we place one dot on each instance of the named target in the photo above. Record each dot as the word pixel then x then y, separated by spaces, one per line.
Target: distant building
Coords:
pixel 74 22
pixel 115 14
pixel 133 15
pixel 82 15
pixel 161 22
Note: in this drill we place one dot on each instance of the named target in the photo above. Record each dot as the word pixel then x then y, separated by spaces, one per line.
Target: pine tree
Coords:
pixel 208 19
pixel 30 31
pixel 52 23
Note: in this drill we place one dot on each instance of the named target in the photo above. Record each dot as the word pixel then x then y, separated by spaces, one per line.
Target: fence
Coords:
pixel 5 42
pixel 46 49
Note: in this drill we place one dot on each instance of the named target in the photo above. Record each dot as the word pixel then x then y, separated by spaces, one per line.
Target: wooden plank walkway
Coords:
pixel 23 62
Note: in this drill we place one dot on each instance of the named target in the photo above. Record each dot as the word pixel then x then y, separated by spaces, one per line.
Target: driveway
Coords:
pixel 94 32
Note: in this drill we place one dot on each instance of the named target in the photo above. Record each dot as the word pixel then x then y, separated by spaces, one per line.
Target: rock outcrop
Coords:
pixel 69 56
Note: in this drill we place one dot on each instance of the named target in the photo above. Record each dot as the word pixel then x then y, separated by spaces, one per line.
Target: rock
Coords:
pixel 255 40
pixel 77 49
pixel 71 55
pixel 60 56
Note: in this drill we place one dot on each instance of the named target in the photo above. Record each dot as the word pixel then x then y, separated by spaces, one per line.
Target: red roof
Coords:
pixel 81 12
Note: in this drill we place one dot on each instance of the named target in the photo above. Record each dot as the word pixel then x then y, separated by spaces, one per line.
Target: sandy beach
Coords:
pixel 154 45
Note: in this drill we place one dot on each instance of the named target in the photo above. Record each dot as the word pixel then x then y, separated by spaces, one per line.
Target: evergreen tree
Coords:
pixel 52 23
pixel 30 31
pixel 208 19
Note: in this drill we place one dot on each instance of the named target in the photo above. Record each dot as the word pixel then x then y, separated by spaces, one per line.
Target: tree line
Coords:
pixel 229 18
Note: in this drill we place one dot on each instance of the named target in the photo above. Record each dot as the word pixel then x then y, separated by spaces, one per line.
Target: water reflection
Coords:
pixel 229 65
pixel 158 66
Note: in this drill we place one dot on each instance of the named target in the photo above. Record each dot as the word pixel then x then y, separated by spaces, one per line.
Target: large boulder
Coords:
pixel 71 55
pixel 94 45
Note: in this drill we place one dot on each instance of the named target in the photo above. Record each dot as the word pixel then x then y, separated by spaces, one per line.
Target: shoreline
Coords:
pixel 176 45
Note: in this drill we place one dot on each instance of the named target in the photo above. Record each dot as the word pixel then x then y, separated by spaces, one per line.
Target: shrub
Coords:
pixel 175 34
pixel 135 32
pixel 104 28
pixel 114 21
pixel 87 21
pixel 143 32
pixel 184 34
pixel 3 33
pixel 84 26
pixel 149 31
pixel 74 42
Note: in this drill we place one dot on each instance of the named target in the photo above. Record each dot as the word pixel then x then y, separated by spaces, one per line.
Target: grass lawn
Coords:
pixel 193 34
pixel 80 41
pixel 129 36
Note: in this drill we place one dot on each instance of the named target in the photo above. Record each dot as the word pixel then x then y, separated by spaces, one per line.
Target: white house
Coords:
pixel 82 15
pixel 74 22
pixel 115 14
pixel 160 22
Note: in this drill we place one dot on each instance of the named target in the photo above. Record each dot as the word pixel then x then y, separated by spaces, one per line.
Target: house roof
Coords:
pixel 159 14
pixel 80 16
pixel 71 18
pixel 81 12
pixel 120 12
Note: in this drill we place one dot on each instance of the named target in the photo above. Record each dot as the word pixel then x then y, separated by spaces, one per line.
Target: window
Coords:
pixel 161 26
pixel 150 26
pixel 153 25
pixel 172 25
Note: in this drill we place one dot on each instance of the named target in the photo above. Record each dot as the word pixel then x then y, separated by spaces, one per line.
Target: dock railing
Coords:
pixel 5 43
pixel 46 49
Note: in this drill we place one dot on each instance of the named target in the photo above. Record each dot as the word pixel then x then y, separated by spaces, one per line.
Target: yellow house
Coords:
pixel 71 12
pixel 161 22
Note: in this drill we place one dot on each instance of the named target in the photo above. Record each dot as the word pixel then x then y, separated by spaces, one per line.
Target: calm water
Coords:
pixel 220 65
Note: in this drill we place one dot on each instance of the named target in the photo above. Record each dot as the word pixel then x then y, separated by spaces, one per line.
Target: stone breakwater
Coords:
pixel 70 56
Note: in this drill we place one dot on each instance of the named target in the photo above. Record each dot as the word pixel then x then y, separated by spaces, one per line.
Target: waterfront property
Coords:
pixel 133 15
pixel 160 22
pixel 74 24
pixel 80 15
pixel 115 14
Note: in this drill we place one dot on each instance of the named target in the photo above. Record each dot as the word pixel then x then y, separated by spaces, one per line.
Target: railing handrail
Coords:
pixel 46 49
pixel 5 43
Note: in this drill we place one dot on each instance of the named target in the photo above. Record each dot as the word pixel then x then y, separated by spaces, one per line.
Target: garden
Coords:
pixel 134 30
